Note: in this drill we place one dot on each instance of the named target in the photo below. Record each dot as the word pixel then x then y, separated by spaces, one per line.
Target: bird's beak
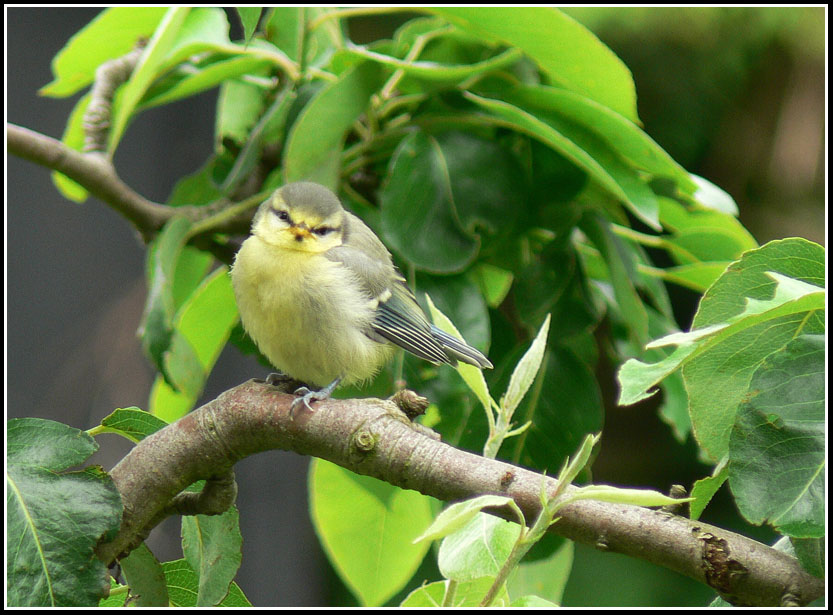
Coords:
pixel 300 231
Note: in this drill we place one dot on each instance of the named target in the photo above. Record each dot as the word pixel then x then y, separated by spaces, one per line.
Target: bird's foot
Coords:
pixel 304 396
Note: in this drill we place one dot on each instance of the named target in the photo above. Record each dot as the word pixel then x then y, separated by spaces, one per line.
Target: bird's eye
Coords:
pixel 281 214
pixel 321 231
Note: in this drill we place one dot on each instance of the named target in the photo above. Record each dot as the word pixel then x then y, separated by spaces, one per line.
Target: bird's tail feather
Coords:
pixel 458 349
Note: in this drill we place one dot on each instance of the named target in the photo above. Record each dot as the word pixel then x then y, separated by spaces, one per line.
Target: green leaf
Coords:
pixel 624 136
pixel 367 529
pixel 204 30
pixel 567 406
pixel 113 33
pixel 131 423
pixel 471 375
pixel 145 72
pixel 73 137
pixel 566 51
pixel 156 328
pixel 713 197
pixel 56 517
pixel 620 260
pixel 777 444
pixel 249 16
pixel 794 257
pixel 212 545
pixel 479 549
pixel 146 578
pixel 191 80
pixel 810 552
pixel 286 27
pixel 583 148
pixel 419 220
pixel 457 515
pixel 317 135
pixel 183 587
pixel 494 283
pixel 619 495
pixel 204 323
pixel 466 594
pixel 542 582
pixel 433 208
pixel 705 488
pixel 526 370
pixel 751 311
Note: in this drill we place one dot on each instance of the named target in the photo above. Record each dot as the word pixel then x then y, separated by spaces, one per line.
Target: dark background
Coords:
pixel 735 95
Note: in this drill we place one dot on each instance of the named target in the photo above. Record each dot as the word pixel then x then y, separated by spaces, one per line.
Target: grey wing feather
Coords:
pixel 399 318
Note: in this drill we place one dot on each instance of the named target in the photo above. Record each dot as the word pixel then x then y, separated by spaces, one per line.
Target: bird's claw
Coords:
pixel 303 398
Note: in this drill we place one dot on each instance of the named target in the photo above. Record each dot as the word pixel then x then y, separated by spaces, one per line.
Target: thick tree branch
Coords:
pixel 374 438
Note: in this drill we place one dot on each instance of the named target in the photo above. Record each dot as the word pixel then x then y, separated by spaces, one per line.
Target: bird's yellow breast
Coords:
pixel 307 314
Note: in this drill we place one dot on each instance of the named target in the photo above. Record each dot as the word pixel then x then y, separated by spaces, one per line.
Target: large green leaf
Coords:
pixel 315 139
pixel 566 51
pixel 623 135
pixel 146 578
pixel 444 194
pixel 111 34
pixel 762 302
pixel 204 323
pixel 212 546
pixel 55 518
pixel 777 444
pixel 367 528
pixel 183 587
pixel 146 71
pixel 584 148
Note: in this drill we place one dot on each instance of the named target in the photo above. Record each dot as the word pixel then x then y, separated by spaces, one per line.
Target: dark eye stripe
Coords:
pixel 281 214
pixel 323 230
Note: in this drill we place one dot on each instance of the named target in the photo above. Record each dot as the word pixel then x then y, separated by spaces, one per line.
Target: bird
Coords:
pixel 318 293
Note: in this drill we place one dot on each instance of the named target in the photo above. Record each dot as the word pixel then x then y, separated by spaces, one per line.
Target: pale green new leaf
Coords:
pixel 459 514
pixel 471 375
pixel 526 370
pixel 479 549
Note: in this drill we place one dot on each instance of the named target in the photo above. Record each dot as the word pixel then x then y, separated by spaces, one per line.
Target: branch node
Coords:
pixel 365 440
pixel 108 77
pixel 410 402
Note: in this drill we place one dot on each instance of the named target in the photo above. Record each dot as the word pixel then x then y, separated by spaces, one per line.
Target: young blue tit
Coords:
pixel 318 293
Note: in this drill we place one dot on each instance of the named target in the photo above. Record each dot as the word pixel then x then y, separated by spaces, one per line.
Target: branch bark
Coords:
pixel 374 438
pixel 97 174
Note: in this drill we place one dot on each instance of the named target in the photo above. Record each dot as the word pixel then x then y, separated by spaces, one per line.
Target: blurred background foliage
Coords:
pixel 735 95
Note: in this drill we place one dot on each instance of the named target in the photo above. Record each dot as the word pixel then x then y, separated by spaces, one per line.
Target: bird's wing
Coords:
pixel 398 318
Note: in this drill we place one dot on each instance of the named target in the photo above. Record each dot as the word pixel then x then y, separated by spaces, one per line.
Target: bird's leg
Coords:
pixel 283 382
pixel 278 378
pixel 305 396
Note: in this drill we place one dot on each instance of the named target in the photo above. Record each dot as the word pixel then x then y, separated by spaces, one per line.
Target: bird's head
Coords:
pixel 301 216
